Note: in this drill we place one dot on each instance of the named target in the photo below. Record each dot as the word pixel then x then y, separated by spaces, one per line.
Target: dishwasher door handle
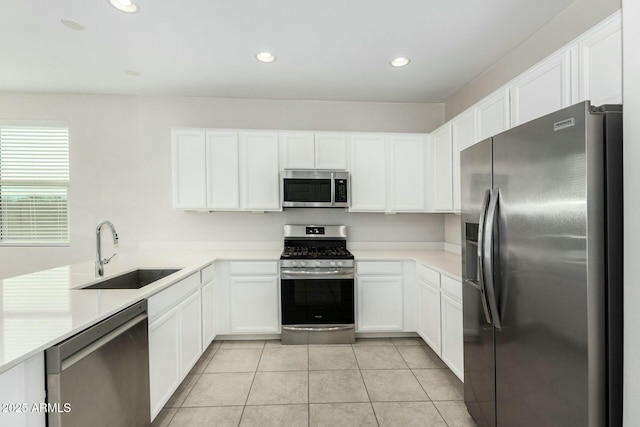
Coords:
pixel 101 342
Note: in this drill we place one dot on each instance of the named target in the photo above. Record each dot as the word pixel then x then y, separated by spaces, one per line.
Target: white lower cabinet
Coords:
pixel 379 296
pixel 175 338
pixel 22 387
pixel 440 317
pixel 252 298
pixel 452 345
pixel 190 332
pixel 429 315
pixel 208 315
pixel 254 305
pixel 164 359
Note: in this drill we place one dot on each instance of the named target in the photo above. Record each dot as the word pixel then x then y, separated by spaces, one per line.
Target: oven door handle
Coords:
pixel 295 274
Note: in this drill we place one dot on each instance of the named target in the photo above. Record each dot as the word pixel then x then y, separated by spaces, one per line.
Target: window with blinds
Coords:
pixel 34 185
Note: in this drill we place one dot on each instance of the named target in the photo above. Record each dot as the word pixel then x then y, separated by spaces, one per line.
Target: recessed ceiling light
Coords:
pixel 265 57
pixel 400 62
pixel 124 5
pixel 72 25
pixel 132 73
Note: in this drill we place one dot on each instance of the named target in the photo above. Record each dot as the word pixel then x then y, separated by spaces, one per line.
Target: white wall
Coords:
pixel 631 93
pixel 577 18
pixel 452 229
pixel 120 162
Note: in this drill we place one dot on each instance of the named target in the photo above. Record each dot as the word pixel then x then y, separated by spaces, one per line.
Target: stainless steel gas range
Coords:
pixel 317 285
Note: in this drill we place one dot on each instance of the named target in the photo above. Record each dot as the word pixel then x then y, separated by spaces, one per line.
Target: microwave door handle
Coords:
pixel 333 189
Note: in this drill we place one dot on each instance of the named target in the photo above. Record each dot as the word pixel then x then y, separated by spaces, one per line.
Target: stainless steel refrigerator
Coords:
pixel 542 271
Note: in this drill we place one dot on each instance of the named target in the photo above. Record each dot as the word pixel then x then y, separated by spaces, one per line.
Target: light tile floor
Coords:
pixel 374 382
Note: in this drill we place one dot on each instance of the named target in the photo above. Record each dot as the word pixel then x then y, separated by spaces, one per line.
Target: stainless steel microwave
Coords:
pixel 310 188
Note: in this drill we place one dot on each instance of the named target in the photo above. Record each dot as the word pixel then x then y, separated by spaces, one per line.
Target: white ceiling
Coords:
pixel 325 49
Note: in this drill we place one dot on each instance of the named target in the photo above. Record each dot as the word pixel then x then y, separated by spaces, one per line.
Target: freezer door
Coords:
pixel 548 349
pixel 479 393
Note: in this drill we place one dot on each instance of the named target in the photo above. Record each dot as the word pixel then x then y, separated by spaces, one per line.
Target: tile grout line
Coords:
pixel 255 373
pixel 353 350
pixel 308 386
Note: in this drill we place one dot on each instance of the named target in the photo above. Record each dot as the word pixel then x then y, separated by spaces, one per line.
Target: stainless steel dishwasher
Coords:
pixel 100 377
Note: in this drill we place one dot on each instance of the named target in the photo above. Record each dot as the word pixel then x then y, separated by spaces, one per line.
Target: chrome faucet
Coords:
pixel 99 260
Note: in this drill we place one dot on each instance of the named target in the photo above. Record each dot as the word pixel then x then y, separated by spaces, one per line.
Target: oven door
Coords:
pixel 311 297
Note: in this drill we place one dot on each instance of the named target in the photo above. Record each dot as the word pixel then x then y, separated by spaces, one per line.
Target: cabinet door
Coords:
pixel 331 151
pixel 452 349
pixel 164 359
pixel 542 90
pixel 463 135
pixel 442 164
pixel 379 303
pixel 223 191
pixel 493 114
pixel 190 332
pixel 298 150
pixel 208 315
pixel 189 169
pixel 259 171
pixel 368 173
pixel 255 303
pixel 429 315
pixel 406 173
pixel 600 63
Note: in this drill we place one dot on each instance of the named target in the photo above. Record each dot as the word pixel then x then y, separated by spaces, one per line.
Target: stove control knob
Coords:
pixel 318 263
pixel 332 264
pixel 294 263
pixel 301 263
pixel 339 263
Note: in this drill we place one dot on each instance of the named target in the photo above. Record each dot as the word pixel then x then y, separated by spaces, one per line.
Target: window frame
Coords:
pixel 35 124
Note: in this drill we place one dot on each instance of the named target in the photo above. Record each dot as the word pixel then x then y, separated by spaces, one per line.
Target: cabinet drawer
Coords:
pixel 254 268
pixel 206 274
pixel 379 267
pixel 428 275
pixel 452 287
pixel 168 298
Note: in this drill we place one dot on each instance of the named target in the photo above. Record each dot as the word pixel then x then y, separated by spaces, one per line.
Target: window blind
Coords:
pixel 34 184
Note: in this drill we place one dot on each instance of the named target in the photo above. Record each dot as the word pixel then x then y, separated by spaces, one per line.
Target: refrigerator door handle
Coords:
pixel 487 259
pixel 480 279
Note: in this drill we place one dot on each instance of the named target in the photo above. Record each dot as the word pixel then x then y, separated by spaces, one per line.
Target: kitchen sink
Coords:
pixel 133 280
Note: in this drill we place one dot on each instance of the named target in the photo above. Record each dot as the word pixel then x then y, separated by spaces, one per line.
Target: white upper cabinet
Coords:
pixel 297 150
pixel 493 114
pixel 441 185
pixel 463 135
pixel 331 150
pixel 368 173
pixel 600 63
pixel 189 177
pixel 406 173
pixel 308 150
pixel 543 89
pixel 222 171
pixel 259 171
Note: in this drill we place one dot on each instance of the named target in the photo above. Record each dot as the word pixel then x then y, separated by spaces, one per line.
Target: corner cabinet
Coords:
pixel 388 172
pixel 441 184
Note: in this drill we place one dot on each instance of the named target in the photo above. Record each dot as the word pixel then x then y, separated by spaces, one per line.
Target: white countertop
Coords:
pixel 41 309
